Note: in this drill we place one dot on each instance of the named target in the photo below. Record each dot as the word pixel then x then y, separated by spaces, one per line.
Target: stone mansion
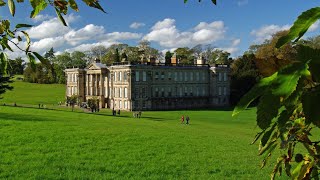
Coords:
pixel 151 86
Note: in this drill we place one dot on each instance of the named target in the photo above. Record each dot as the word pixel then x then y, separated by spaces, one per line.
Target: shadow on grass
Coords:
pixel 19 117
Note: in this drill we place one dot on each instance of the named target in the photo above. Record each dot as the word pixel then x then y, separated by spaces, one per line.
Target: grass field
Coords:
pixel 60 144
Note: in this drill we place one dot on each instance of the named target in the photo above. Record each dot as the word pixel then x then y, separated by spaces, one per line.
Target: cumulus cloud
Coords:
pixel 266 32
pixel 114 36
pixel 41 17
pixel 47 43
pixel 88 46
pixel 51 28
pixel 167 35
pixel 136 25
pixel 89 32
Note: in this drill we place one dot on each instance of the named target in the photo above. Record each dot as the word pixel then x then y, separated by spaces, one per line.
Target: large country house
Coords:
pixel 151 85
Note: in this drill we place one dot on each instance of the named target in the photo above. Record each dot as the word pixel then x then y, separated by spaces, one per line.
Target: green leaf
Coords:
pixel 23 26
pixel 267 109
pixel 4 43
pixel 28 40
pixel 288 78
pixel 310 104
pixel 268 147
pixel 4 63
pixel 94 4
pixel 2 3
pixel 12 7
pixel 267 135
pixel 32 60
pixel 255 92
pixel 60 17
pixel 258 135
pixel 41 59
pixel 300 26
pixel 73 5
pixel 214 2
pixel 305 54
pixel 38 5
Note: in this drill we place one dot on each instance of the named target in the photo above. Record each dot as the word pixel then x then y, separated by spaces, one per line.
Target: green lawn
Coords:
pixel 34 94
pixel 60 144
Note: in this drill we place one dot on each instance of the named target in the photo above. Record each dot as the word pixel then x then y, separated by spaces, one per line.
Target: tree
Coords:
pixel 270 59
pixel 98 51
pixel 219 57
pixel 185 55
pixel 168 56
pixel 16 66
pixel 93 103
pixel 72 101
pixel 244 75
pixel 4 84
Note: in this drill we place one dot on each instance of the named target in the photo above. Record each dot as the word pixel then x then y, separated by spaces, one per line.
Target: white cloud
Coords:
pixel 87 47
pixel 41 17
pixel 51 28
pixel 167 35
pixel 89 32
pixel 314 26
pixel 266 32
pixel 243 2
pixel 122 36
pixel 47 43
pixel 137 25
pixel 236 42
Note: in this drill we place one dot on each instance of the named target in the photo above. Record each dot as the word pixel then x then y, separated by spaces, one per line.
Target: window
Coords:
pixel 120 76
pixel 143 93
pixel 198 91
pixel 224 91
pixel 203 91
pixel 120 104
pixel 110 92
pixel 169 92
pixel 191 76
pixel 75 91
pixel 144 76
pixel 225 76
pixel 120 92
pixel 219 76
pixel 156 75
pixel 191 93
pixel 175 76
pixel 185 91
pixel 203 74
pixel 115 77
pixel 125 92
pixel 219 91
pixel 137 76
pixel 156 92
pixel 169 75
pixel 106 92
pixel 197 76
pixel 162 75
pixel 180 91
pixel 185 76
pixel 125 104
pixel 125 76
pixel 162 92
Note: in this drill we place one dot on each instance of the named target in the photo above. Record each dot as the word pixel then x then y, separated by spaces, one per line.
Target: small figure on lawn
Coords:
pixel 187 119
pixel 182 119
pixel 119 112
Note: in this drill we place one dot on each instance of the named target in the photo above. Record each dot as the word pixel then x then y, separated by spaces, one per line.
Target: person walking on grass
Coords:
pixel 187 119
pixel 182 119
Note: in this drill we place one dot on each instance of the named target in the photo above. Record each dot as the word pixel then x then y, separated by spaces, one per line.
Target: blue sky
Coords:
pixel 232 25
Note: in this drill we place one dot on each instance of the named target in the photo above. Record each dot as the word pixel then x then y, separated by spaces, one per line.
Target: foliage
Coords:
pixel 243 71
pixel 287 111
pixel 185 55
pixel 269 59
pixel 93 103
pixel 16 66
pixel 4 84
pixel 72 101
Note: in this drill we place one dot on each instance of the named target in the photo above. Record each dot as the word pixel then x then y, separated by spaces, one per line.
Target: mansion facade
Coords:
pixel 151 86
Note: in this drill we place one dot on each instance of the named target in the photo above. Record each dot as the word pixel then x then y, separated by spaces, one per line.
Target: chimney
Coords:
pixel 174 59
pixel 97 60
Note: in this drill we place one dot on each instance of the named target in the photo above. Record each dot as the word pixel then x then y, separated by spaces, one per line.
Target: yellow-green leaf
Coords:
pixel 12 7
pixel 73 5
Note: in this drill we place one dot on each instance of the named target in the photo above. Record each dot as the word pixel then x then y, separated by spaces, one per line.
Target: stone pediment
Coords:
pixel 96 66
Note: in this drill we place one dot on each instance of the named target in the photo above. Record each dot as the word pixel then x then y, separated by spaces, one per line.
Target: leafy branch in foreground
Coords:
pixel 288 110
